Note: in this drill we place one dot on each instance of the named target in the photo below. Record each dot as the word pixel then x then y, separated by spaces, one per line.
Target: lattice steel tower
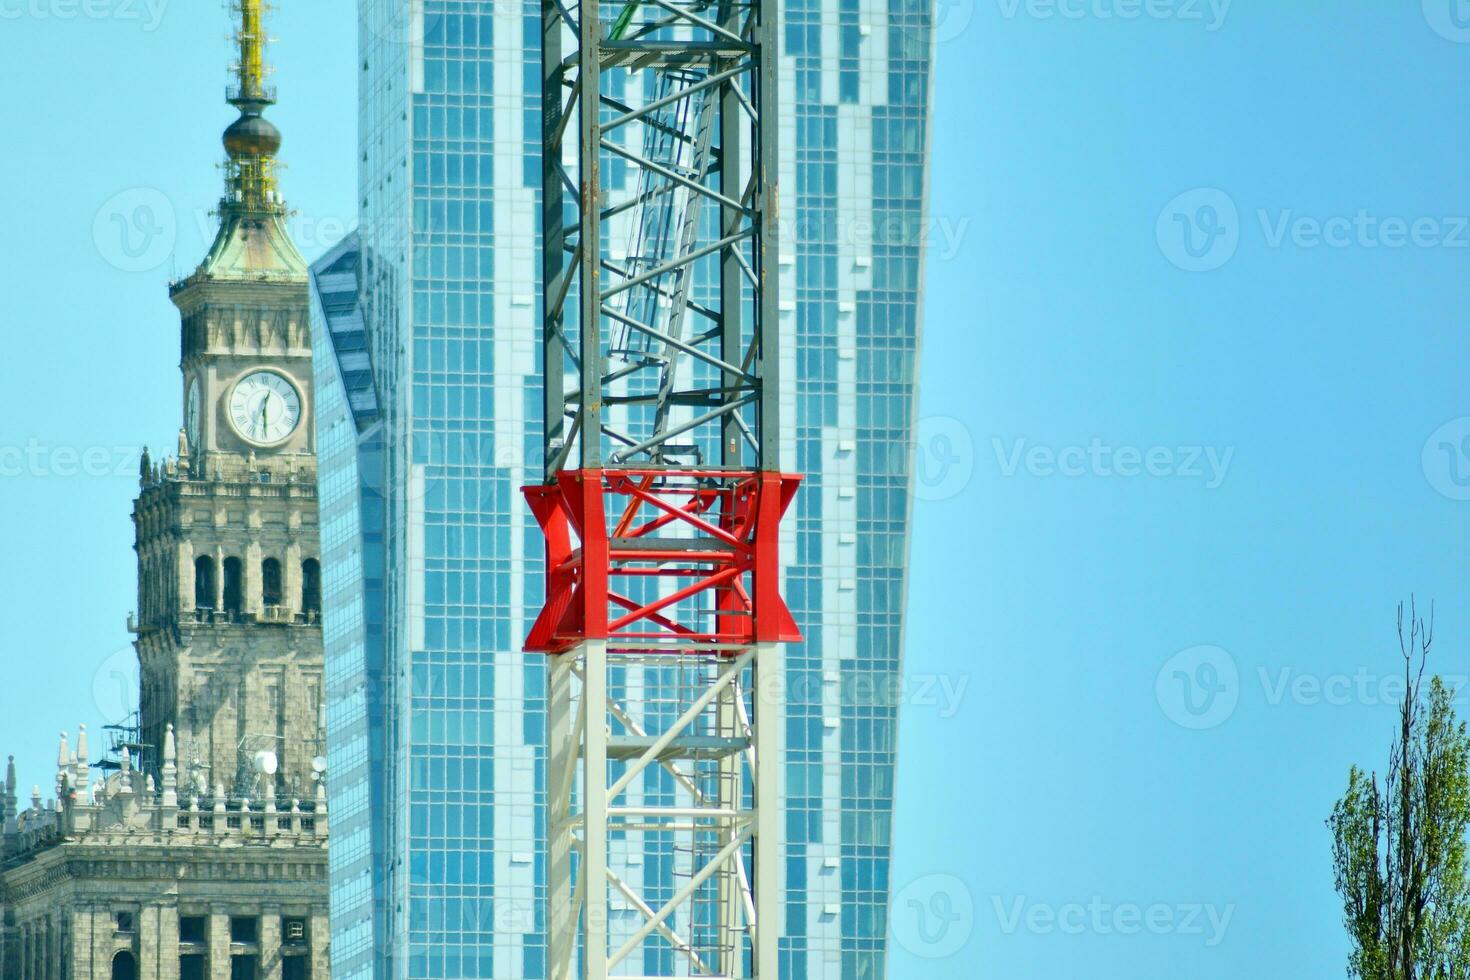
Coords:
pixel 663 491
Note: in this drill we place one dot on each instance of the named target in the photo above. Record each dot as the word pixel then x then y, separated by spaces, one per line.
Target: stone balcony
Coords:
pixel 128 808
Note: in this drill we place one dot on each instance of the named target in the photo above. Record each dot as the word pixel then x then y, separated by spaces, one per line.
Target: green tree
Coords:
pixel 1399 849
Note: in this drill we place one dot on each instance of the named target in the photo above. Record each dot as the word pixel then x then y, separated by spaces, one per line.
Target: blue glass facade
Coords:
pixel 856 78
pixel 448 297
pixel 348 432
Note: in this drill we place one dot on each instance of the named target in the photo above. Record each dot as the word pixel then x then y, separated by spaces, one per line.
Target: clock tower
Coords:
pixel 199 851
pixel 229 579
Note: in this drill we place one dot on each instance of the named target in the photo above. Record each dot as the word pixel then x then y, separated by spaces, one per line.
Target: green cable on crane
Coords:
pixel 624 19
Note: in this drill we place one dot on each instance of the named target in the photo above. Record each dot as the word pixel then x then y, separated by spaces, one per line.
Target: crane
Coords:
pixel 662 492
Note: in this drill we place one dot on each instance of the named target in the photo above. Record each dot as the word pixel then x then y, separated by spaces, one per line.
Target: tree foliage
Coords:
pixel 1399 846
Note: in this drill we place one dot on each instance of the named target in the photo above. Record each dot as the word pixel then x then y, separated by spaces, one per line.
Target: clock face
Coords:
pixel 265 408
pixel 193 415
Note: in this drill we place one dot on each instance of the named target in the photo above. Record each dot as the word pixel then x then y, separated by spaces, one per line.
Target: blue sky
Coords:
pixel 1090 823
pixel 1194 403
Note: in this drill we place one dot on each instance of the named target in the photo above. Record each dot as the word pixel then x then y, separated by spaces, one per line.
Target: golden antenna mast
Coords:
pixel 252 42
pixel 251 141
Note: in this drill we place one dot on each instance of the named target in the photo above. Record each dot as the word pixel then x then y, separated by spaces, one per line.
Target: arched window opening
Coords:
pixel 270 582
pixel 311 587
pixel 234 586
pixel 124 967
pixel 204 591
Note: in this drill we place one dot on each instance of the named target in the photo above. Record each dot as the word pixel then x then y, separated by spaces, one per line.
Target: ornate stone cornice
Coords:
pixel 78 863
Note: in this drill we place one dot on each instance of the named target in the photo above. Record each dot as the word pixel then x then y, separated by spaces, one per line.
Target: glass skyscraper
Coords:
pixel 350 489
pixel 427 338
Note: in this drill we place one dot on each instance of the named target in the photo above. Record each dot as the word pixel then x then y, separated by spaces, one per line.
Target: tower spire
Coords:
pixel 252 41
pixel 10 801
pixel 251 142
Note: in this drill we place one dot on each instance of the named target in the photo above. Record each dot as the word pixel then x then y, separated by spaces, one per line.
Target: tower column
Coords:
pixel 219 940
pixel 81 945
pixel 270 947
pixel 102 931
pixel 291 579
pixel 219 579
pixel 51 949
pixel 252 559
pixel 321 938
pixel 185 578
pixel 158 942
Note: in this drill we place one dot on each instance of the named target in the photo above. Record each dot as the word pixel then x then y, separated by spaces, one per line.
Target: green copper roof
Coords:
pixel 252 247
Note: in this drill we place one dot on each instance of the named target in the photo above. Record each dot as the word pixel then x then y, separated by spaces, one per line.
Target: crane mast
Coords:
pixel 663 493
